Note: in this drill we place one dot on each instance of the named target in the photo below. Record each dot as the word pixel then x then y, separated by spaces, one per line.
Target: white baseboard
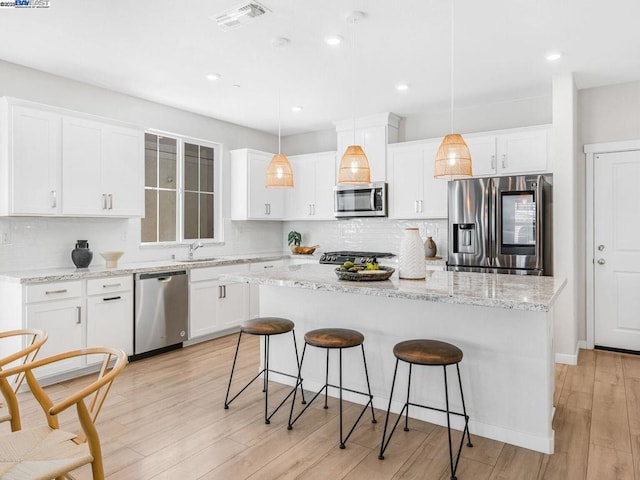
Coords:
pixel 571 359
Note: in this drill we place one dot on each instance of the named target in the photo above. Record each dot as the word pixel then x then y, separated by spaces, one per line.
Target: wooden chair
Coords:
pixel 48 452
pixel 24 344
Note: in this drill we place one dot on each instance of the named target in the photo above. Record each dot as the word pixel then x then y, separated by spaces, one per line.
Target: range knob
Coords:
pixel 323 257
pixel 362 260
pixel 333 258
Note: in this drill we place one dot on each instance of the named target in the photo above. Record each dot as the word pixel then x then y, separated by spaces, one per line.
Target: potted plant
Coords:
pixel 295 238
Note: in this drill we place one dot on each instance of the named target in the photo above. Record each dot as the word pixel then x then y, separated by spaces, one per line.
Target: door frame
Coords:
pixel 590 151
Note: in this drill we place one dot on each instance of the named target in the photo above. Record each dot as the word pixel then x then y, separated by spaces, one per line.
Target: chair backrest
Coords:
pixel 17 347
pixel 88 400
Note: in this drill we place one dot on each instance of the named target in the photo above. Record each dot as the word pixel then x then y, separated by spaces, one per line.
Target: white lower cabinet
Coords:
pixel 216 305
pixel 110 313
pixel 57 309
pixel 78 314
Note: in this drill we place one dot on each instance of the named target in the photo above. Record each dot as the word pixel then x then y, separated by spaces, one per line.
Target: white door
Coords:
pixel 434 203
pixel 110 322
pixel 406 182
pixel 617 250
pixel 233 306
pixel 483 155
pixel 325 178
pixel 523 152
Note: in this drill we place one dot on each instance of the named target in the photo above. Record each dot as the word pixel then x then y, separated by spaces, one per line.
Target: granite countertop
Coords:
pixel 516 292
pixel 31 276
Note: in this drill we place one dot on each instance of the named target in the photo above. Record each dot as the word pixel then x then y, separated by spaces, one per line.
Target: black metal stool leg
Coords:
pixel 464 410
pixel 266 379
pixel 295 391
pixel 326 382
pixel 233 367
pixel 406 417
pixel 446 397
pixel 383 446
pixel 295 348
pixel 366 374
pixel 340 385
pixel 264 364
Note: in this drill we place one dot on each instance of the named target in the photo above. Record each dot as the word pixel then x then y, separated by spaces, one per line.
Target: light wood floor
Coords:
pixel 164 419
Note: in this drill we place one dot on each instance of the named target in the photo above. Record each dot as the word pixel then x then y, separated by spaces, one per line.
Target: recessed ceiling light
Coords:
pixel 553 56
pixel 280 42
pixel 402 87
pixel 213 76
pixel 334 40
pixel 235 85
pixel 297 108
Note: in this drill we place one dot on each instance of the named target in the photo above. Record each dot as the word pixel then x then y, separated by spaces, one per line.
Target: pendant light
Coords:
pixel 279 171
pixel 453 159
pixel 354 165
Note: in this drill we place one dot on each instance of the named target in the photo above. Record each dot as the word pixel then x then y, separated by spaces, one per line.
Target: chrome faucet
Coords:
pixel 193 247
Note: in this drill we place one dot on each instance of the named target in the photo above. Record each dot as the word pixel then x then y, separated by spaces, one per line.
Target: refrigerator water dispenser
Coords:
pixel 464 240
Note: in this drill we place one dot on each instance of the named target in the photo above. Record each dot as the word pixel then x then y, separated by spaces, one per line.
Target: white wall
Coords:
pixel 478 118
pixel 568 243
pixel 41 242
pixel 606 114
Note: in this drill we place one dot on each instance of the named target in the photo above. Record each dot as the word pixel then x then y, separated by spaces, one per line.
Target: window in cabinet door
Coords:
pixel 180 188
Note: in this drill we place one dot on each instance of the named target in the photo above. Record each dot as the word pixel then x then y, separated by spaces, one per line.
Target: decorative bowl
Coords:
pixel 383 273
pixel 112 258
pixel 303 250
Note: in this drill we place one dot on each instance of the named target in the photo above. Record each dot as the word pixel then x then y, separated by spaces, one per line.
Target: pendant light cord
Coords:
pixel 452 88
pixel 353 61
pixel 279 121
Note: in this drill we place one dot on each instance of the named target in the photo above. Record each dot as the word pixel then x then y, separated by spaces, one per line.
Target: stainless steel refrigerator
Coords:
pixel 501 225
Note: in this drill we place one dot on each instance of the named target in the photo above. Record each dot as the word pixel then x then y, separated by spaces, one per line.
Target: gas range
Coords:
pixel 358 258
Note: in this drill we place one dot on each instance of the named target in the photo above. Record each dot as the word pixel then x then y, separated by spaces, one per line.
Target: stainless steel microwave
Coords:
pixel 365 200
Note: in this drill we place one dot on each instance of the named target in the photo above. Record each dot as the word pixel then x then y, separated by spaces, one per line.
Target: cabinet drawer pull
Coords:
pixel 108 299
pixel 493 162
pixel 55 292
pixel 268 266
pixel 54 201
pixel 104 201
pixel 110 285
pixel 110 201
pixel 79 318
pixel 504 160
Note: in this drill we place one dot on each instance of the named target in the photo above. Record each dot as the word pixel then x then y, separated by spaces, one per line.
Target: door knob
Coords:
pixel 601 261
pixel 600 248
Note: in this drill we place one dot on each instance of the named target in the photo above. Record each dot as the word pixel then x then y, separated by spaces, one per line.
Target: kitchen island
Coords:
pixel 502 323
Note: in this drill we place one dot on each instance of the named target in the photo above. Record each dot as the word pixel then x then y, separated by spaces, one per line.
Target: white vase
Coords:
pixel 412 264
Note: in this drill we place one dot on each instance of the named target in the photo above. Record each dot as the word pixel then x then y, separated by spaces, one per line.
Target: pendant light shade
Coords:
pixel 453 159
pixel 354 166
pixel 279 172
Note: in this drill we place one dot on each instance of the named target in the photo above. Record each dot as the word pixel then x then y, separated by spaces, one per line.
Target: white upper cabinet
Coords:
pixel 101 169
pixel 413 192
pixel 30 161
pixel 57 162
pixel 373 134
pixel 250 199
pixel 511 152
pixel 311 197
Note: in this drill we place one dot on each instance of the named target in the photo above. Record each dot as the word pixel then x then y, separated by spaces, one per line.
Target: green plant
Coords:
pixel 295 238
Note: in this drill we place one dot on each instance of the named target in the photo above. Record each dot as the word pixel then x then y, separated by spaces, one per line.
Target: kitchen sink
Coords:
pixel 196 259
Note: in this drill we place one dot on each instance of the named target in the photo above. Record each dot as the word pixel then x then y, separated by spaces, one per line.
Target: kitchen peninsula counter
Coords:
pixel 502 323
pixel 518 292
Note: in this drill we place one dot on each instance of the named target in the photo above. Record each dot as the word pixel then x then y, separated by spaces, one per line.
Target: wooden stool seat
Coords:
pixel 334 338
pixel 267 326
pixel 427 352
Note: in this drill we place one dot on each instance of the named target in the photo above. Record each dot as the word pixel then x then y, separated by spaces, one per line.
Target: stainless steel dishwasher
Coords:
pixel 161 312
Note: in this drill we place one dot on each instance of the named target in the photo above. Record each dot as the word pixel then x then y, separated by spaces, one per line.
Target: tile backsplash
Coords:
pixel 368 234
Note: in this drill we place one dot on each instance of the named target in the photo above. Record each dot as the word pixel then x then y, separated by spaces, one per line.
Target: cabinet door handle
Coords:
pixel 219 291
pixel 493 162
pixel 314 209
pixel 108 299
pixel 415 206
pixel 504 160
pixel 269 208
pixel 310 210
pixel 266 209
pixel 268 266
pixel 421 206
pixel 55 292
pixel 104 201
pixel 79 317
pixel 110 201
pixel 54 200
pixel 110 285
pixel 224 291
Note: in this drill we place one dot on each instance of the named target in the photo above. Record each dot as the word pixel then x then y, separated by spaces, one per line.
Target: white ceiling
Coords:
pixel 161 50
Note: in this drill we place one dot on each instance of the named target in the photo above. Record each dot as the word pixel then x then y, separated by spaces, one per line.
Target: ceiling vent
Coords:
pixel 239 15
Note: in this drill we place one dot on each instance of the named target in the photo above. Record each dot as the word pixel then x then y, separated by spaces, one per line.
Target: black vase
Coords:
pixel 81 255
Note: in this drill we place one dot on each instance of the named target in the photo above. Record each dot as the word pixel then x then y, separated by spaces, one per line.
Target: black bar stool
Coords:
pixel 332 338
pixel 431 353
pixel 266 326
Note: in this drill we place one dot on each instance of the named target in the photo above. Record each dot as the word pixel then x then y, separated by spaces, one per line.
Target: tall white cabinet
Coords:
pixel 413 192
pixel 311 197
pixel 250 199
pixel 373 133
pixel 57 162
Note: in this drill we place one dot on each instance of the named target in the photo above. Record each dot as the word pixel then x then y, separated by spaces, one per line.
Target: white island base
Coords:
pixel 507 370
